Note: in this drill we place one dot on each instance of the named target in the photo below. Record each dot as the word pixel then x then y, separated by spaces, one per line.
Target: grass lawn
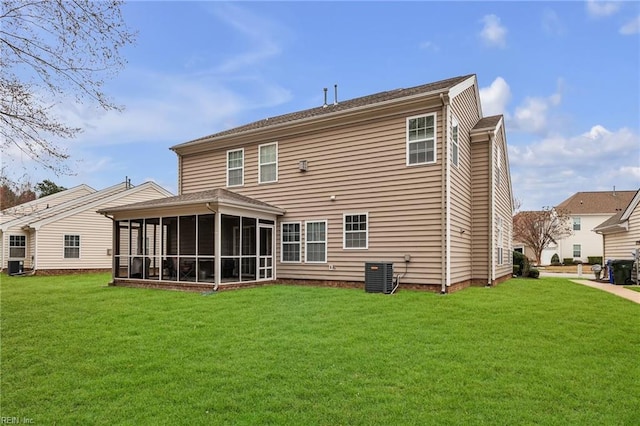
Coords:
pixel 546 351
pixel 633 287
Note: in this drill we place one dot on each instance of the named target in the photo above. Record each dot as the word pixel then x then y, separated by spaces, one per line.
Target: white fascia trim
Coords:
pixel 462 86
pixel 446 161
pixel 631 207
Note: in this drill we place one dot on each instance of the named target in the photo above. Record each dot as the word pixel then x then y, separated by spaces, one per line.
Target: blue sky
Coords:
pixel 565 74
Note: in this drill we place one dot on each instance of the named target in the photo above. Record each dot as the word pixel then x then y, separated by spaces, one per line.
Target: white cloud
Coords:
pixel 494 99
pixel 257 31
pixel 631 27
pixel 493 33
pixel 595 160
pixel 429 45
pixel 601 9
pixel 551 23
pixel 533 114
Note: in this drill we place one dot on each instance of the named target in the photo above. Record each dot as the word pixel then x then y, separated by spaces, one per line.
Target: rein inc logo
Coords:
pixel 16 420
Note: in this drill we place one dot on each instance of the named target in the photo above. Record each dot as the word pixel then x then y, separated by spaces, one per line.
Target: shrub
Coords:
pixel 567 261
pixel 555 260
pixel 577 262
pixel 595 260
pixel 516 270
pixel 534 273
pixel 522 262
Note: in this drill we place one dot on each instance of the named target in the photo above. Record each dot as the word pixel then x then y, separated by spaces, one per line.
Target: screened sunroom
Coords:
pixel 213 237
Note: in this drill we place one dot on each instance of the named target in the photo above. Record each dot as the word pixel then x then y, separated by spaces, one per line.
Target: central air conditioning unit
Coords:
pixel 378 277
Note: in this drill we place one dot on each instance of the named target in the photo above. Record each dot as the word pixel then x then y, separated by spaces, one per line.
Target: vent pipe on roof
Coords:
pixel 335 94
pixel 325 98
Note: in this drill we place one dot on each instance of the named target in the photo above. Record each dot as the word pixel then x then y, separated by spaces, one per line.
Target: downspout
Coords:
pixel 216 247
pixel 446 199
pixel 114 230
pixel 491 269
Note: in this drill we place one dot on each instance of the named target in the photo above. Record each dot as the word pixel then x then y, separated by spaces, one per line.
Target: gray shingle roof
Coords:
pixel 597 202
pixel 487 122
pixel 341 106
pixel 214 196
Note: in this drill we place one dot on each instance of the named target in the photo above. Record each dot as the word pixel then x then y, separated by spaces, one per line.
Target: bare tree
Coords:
pixel 538 229
pixel 49 50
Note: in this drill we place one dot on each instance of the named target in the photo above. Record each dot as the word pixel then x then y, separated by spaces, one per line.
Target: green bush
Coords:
pixel 577 262
pixel 522 262
pixel 516 270
pixel 534 273
pixel 555 260
pixel 595 260
pixel 567 261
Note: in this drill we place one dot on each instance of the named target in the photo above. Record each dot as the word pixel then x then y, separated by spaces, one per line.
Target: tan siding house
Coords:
pixel 405 177
pixel 63 231
pixel 621 232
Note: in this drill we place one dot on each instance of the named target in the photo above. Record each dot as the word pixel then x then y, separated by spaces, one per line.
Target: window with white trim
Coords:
pixel 499 236
pixel 316 241
pixel 235 167
pixel 290 242
pixel 577 250
pixel 454 142
pixel 268 163
pixel 421 139
pixel 576 224
pixel 18 246
pixel 72 246
pixel 356 233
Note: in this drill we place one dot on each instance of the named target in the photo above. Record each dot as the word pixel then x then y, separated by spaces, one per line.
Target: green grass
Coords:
pixel 547 351
pixel 633 287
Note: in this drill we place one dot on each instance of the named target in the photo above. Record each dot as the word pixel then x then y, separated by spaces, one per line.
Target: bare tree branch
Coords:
pixel 50 49
pixel 539 229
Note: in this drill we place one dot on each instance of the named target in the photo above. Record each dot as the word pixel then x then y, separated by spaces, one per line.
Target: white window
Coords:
pixel 454 142
pixel 268 167
pixel 316 241
pixel 235 167
pixel 577 250
pixel 72 246
pixel 290 242
pixel 576 223
pixel 17 246
pixel 356 231
pixel 499 236
pixel 421 139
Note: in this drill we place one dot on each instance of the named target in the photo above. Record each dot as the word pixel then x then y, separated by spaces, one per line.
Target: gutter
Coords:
pixel 492 192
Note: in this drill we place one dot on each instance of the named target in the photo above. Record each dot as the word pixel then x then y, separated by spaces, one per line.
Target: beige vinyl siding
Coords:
pixel 464 108
pixel 503 206
pixel 480 204
pixel 364 166
pixel 621 244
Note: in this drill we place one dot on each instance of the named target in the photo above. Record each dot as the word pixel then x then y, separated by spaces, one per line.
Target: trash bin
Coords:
pixel 621 271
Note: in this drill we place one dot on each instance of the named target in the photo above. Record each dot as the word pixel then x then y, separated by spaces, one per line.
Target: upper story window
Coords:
pixel 454 142
pixel 268 166
pixel 72 246
pixel 290 235
pixel 235 167
pixel 576 223
pixel 421 139
pixel 355 231
pixel 17 246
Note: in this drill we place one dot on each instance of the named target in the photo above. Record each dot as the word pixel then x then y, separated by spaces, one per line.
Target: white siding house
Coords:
pixel 63 231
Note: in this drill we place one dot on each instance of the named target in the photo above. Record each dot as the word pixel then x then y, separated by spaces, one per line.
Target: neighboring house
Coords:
pixel 588 210
pixel 621 232
pixel 63 231
pixel 416 177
